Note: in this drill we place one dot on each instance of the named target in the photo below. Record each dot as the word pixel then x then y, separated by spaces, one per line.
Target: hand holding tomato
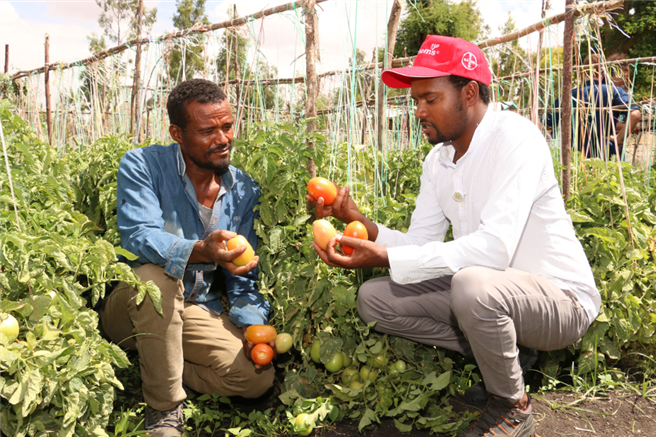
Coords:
pixel 213 249
pixel 249 345
pixel 343 208
pixel 366 254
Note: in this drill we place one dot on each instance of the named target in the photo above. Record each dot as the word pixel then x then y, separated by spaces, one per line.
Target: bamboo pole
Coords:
pixel 134 103
pixel 47 89
pixel 566 125
pixel 179 34
pixel 392 27
pixel 311 77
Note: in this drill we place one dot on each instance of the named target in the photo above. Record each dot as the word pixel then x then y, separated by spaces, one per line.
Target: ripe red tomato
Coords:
pixel 322 187
pixel 354 230
pixel 323 232
pixel 262 354
pixel 245 257
pixel 261 334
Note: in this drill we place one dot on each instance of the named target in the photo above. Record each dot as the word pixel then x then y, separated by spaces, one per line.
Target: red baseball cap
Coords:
pixel 442 56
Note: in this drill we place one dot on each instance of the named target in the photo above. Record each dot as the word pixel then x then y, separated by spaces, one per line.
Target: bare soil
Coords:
pixel 555 414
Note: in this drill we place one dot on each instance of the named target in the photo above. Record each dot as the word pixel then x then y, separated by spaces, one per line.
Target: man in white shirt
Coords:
pixel 515 273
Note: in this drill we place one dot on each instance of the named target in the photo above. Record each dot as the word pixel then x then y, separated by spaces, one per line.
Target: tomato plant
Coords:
pixel 323 232
pixel 322 187
pixel 262 354
pixel 284 342
pixel 349 375
pixel 257 334
pixel 248 254
pixel 354 229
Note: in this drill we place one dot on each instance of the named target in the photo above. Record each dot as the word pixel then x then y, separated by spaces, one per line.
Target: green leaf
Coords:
pixel 406 429
pixel 367 418
pixel 125 253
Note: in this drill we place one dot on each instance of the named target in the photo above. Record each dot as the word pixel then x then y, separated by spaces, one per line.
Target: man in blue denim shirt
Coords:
pixel 177 205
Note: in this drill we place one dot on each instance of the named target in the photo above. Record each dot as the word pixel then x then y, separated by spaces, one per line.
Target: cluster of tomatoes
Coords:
pixel 261 336
pixel 322 230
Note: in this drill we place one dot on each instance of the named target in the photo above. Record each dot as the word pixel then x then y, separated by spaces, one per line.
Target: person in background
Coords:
pixel 177 205
pixel 593 133
pixel 620 76
pixel 515 274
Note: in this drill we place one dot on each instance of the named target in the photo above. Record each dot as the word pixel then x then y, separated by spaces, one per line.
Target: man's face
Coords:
pixel 439 109
pixel 207 139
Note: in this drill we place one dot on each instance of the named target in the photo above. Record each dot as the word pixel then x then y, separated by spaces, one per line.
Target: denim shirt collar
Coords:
pixel 227 179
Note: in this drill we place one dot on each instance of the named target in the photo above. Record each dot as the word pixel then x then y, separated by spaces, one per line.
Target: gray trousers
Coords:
pixel 481 312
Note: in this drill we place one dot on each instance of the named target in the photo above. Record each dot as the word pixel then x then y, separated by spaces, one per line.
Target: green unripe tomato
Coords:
pixel 399 366
pixel 335 363
pixel 314 351
pixel 349 375
pixel 347 360
pixel 367 373
pixel 356 384
pixel 385 402
pixel 301 427
pixel 379 361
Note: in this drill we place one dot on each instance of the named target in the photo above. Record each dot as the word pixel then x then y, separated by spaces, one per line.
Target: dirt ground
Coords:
pixel 556 414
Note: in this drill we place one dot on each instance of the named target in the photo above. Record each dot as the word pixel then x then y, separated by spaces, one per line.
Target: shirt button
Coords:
pixel 457 196
pixel 457 174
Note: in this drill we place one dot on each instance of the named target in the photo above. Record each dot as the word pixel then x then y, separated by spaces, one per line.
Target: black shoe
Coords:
pixel 502 418
pixel 168 423
pixel 477 395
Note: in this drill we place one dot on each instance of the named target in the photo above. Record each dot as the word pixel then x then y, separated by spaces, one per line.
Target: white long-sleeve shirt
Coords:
pixel 504 203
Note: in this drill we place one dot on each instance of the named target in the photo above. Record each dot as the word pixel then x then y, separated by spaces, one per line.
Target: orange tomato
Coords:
pixel 354 230
pixel 258 334
pixel 262 354
pixel 245 257
pixel 322 187
pixel 323 231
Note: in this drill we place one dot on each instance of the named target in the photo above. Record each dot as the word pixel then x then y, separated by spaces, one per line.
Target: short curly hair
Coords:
pixel 459 83
pixel 193 90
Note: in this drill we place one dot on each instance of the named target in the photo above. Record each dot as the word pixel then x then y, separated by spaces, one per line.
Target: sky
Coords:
pixel 24 23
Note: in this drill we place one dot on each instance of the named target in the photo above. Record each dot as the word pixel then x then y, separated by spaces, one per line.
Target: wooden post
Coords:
pixel 535 102
pixel 134 107
pixel 47 79
pixel 237 73
pixel 566 100
pixel 392 27
pixel 6 58
pixel 311 77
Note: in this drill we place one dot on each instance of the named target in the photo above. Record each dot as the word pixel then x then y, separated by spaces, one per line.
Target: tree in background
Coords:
pixel 118 19
pixel 438 17
pixel 189 14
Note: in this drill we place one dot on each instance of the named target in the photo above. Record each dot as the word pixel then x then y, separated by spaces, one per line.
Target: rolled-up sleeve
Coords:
pixel 140 219
pixel 247 306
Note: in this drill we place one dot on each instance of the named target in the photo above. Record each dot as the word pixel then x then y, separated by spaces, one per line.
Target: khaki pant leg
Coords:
pixel 158 338
pixel 499 309
pixel 215 361
pixel 420 312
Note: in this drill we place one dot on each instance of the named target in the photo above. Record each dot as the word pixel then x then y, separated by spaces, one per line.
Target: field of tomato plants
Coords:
pixel 59 246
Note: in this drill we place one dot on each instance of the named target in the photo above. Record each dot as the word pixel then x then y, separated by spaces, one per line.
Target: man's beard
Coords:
pixel 219 168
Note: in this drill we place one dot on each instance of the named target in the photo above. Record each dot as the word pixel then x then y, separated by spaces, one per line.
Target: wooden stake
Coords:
pixel 6 58
pixel 47 79
pixel 566 104
pixel 134 107
pixel 237 72
pixel 311 24
pixel 392 27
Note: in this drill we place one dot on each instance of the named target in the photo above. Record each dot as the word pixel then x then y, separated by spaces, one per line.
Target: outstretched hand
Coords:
pixel 366 254
pixel 343 208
